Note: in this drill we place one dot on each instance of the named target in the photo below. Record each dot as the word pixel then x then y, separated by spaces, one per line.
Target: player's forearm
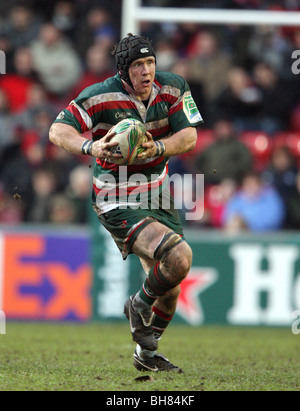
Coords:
pixel 66 137
pixel 181 142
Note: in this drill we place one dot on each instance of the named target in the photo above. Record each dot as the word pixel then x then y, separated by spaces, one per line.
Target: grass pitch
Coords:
pixel 98 357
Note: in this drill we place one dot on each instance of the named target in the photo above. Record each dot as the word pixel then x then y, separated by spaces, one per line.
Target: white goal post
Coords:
pixel 133 13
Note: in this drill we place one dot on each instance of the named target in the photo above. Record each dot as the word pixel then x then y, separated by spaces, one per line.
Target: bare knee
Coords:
pixel 178 262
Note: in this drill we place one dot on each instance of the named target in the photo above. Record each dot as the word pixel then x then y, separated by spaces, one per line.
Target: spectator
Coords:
pixel 42 120
pixel 22 26
pixel 236 39
pixel 254 208
pixel 282 172
pixel 156 31
pixel 7 126
pixel 98 69
pixel 15 171
pixel 63 163
pixel 227 157
pixel 36 102
pixel 241 101
pixel 79 191
pixel 297 39
pixel 166 54
pixel 56 61
pixel 209 64
pixel 216 200
pixel 10 208
pixel 269 46
pixel 97 29
pixel 32 149
pixel 277 99
pixel 293 209
pixel 62 210
pixel 64 18
pixel 35 139
pixel 44 187
pixel 183 35
pixel 16 85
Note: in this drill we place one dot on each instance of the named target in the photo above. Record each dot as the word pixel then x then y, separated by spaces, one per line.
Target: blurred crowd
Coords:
pixel 240 78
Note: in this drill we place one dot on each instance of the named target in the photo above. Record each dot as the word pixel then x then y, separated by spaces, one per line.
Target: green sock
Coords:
pixel 160 322
pixel 155 285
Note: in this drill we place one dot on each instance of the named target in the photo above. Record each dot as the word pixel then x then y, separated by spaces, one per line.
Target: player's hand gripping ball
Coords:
pixel 130 135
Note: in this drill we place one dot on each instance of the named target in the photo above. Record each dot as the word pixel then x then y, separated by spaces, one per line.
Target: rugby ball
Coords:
pixel 130 135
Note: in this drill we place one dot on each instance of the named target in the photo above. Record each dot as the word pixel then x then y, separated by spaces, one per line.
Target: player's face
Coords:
pixel 141 74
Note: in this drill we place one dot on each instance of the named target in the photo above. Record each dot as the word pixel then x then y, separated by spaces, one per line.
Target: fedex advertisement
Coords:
pixel 45 276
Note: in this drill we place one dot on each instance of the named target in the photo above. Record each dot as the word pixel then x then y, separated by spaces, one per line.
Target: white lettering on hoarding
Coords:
pixel 250 281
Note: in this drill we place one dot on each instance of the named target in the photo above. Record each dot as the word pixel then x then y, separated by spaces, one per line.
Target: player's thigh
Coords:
pixel 148 239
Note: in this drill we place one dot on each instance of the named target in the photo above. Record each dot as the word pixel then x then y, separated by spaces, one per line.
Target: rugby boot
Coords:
pixel 141 326
pixel 157 363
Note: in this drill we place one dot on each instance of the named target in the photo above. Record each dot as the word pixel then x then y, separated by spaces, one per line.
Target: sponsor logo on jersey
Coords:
pixel 122 114
pixel 190 109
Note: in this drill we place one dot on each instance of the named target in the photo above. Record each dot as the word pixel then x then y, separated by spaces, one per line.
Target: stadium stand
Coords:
pixel 29 103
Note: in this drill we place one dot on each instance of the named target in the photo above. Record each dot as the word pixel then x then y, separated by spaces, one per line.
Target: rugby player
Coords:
pixel 163 102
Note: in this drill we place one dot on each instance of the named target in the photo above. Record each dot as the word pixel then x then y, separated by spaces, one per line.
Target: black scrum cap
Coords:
pixel 129 49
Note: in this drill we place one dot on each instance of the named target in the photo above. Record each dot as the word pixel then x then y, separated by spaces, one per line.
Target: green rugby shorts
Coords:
pixel 124 225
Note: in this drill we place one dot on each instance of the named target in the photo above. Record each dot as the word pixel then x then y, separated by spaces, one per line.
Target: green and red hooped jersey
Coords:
pixel 99 107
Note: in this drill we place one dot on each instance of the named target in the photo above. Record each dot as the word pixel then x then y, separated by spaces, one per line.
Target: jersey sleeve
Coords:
pixel 184 112
pixel 76 115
